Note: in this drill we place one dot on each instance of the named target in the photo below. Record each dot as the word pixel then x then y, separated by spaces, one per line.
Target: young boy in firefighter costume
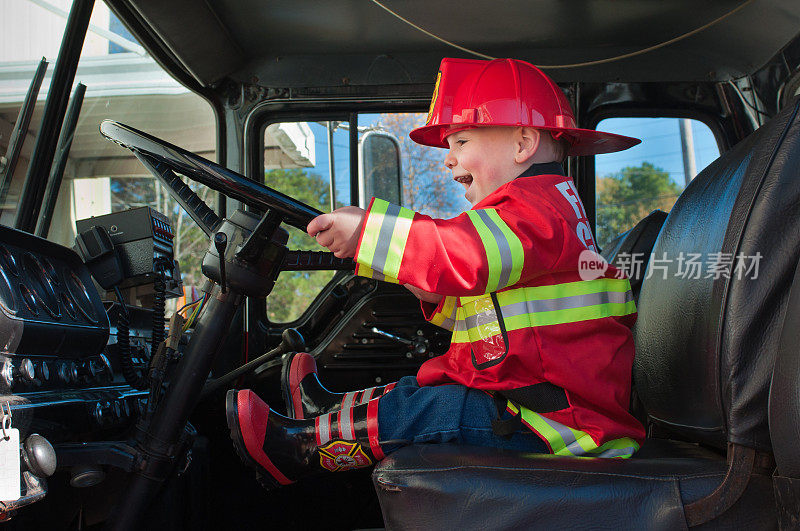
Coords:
pixel 540 358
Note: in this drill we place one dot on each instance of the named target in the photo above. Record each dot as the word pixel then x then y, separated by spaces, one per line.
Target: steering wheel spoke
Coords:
pixel 205 218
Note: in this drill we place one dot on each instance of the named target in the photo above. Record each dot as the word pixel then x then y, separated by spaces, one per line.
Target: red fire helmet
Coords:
pixel 506 92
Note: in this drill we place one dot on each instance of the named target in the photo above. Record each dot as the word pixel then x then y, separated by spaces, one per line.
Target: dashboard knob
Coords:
pixel 25 371
pixel 104 370
pixel 42 370
pixel 68 372
pixel 99 414
pixel 87 372
pixel 39 455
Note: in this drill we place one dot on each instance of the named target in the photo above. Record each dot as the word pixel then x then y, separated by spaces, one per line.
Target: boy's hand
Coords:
pixel 339 230
pixel 423 295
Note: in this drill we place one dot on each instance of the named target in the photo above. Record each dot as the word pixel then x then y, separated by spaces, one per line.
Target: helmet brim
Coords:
pixel 584 141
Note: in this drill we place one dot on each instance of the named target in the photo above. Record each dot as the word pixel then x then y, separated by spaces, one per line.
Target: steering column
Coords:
pixel 252 257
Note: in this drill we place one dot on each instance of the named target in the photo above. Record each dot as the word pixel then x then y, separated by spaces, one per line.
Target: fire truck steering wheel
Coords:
pixel 151 150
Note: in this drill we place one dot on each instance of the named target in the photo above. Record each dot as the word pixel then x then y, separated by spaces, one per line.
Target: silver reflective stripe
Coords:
pixel 346 419
pixel 617 452
pixel 564 432
pixel 460 326
pixel 566 303
pixel 377 275
pixel 489 316
pixel 506 261
pixel 366 396
pixel 351 397
pixel 448 323
pixel 385 237
pixel 324 428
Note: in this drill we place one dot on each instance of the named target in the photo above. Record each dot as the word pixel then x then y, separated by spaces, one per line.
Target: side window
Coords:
pixel 632 183
pixel 311 161
pixel 426 185
pixel 307 161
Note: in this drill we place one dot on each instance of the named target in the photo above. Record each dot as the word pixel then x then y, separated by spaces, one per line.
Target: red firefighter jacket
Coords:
pixel 520 310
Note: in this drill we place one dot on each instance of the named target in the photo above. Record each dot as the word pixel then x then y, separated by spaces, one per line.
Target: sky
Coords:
pixel 661 145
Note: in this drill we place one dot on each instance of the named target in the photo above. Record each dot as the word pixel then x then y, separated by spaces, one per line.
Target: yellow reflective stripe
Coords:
pixel 366 271
pixel 476 305
pixel 372 229
pixel 532 306
pixel 446 316
pixel 580 287
pixel 566 289
pixel 460 334
pixel 571 315
pixel 384 239
pixel 491 249
pixel 527 320
pixel 397 245
pixel 567 441
pixel 504 253
pixel 515 246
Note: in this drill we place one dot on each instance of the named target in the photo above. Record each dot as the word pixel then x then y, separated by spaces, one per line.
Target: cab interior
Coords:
pixel 716 375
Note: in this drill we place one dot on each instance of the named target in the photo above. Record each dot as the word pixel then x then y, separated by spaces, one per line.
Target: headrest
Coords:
pixel 706 341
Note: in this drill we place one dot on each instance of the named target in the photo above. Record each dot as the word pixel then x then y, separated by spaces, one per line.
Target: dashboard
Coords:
pixel 59 366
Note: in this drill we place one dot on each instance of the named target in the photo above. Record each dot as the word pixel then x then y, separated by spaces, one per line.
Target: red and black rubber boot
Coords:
pixel 305 395
pixel 283 450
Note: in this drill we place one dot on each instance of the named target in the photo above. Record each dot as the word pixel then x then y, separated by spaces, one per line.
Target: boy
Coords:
pixel 540 358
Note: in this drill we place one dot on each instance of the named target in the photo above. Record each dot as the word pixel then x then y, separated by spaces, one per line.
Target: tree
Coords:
pixel 628 196
pixel 427 185
pixel 295 290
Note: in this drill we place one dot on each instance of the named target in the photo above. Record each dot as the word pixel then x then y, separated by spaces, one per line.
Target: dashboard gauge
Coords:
pixel 7 299
pixel 8 260
pixel 81 297
pixel 29 299
pixel 50 271
pixel 69 306
pixel 37 281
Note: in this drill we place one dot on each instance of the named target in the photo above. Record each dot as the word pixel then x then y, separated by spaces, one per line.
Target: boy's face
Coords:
pixel 482 160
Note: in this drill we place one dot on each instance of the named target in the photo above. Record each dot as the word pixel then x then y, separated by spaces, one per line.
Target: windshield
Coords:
pixel 123 83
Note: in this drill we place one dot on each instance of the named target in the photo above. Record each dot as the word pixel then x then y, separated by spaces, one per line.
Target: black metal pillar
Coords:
pixel 54 109
pixel 57 173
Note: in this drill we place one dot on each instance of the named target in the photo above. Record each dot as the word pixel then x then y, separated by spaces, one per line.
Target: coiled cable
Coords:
pixel 159 302
pixel 124 346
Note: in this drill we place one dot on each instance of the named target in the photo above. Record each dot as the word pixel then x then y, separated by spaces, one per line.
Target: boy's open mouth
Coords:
pixel 463 179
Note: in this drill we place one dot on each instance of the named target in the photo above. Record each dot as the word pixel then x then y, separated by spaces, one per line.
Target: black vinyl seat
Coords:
pixel 706 347
pixel 635 246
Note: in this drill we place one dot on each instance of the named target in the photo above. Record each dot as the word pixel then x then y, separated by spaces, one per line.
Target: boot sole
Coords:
pixel 287 393
pixel 263 477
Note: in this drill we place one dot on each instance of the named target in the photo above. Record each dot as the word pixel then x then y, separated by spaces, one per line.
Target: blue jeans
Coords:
pixel 446 413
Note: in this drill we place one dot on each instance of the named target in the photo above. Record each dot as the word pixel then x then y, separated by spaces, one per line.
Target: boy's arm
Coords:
pixel 478 252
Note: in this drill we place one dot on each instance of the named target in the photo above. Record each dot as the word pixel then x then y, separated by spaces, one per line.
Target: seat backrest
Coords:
pixel 630 251
pixel 784 400
pixel 706 343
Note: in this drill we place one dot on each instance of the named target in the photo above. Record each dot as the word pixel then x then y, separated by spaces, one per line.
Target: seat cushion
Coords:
pixel 445 486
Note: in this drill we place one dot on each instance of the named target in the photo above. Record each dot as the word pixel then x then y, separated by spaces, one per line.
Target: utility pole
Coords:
pixel 687 148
